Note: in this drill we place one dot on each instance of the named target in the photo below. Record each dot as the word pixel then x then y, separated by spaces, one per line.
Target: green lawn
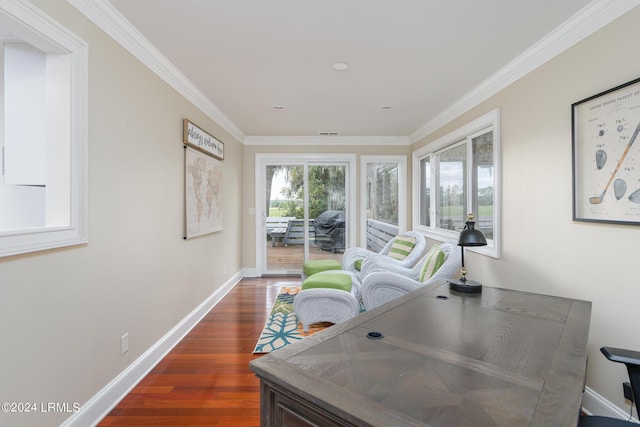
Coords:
pixel 275 212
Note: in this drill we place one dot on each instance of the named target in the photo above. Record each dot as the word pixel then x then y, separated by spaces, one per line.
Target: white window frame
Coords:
pixel 33 26
pixel 490 120
pixel 402 191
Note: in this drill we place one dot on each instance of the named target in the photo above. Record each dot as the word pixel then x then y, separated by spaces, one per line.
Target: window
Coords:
pixel 43 83
pixel 383 203
pixel 456 175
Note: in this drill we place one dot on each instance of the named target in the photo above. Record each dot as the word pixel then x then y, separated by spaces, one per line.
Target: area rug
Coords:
pixel 282 327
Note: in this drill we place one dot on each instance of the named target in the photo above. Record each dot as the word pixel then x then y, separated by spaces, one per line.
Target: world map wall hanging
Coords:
pixel 203 181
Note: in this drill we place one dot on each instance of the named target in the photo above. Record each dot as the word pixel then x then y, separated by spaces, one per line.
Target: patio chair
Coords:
pixel 384 281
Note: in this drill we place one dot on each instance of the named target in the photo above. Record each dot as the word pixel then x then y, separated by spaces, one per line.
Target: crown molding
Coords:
pixel 327 140
pixel 591 18
pixel 107 18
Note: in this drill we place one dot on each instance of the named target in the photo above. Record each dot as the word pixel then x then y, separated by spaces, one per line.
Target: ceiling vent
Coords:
pixel 328 133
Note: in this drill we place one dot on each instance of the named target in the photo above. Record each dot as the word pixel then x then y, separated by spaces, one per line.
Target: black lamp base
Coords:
pixel 466 286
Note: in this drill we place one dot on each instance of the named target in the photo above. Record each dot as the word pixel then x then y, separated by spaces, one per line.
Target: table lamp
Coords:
pixel 469 236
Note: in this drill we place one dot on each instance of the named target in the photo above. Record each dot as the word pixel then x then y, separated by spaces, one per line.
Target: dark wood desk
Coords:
pixel 499 358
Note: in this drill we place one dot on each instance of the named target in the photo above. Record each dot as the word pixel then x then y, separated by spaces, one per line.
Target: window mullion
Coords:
pixel 471 187
pixel 434 184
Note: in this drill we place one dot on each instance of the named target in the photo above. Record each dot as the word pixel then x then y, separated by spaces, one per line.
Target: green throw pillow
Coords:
pixel 433 261
pixel 402 247
pixel 358 264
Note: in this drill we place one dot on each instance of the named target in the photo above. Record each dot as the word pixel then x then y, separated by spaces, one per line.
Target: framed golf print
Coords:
pixel 606 157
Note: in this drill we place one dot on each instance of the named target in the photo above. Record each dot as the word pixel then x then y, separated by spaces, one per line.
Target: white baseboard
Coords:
pixel 249 272
pixel 595 404
pixel 92 412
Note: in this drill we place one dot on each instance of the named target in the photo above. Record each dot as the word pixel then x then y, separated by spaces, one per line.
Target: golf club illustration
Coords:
pixel 596 200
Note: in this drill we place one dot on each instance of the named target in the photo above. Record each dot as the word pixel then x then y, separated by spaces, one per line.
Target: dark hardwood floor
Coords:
pixel 205 380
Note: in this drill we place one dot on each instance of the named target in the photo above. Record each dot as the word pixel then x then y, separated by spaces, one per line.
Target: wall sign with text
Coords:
pixel 198 138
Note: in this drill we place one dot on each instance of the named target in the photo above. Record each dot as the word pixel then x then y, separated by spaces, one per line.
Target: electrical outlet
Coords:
pixel 628 392
pixel 124 343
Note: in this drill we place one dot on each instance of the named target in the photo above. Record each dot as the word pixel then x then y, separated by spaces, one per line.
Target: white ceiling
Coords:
pixel 418 56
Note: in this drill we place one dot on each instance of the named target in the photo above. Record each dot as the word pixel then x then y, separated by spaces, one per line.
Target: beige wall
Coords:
pixel 543 249
pixel 249 195
pixel 62 312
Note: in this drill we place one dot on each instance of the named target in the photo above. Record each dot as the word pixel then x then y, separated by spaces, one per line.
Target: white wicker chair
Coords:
pixel 351 255
pixel 385 281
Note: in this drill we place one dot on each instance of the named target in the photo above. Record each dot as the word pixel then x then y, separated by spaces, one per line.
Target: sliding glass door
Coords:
pixel 303 211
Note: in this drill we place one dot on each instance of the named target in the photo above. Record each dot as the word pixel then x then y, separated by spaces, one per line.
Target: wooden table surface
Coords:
pixel 498 358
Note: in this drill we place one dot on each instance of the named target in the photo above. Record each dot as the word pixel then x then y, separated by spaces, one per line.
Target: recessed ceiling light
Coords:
pixel 340 66
pixel 278 107
pixel 387 107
